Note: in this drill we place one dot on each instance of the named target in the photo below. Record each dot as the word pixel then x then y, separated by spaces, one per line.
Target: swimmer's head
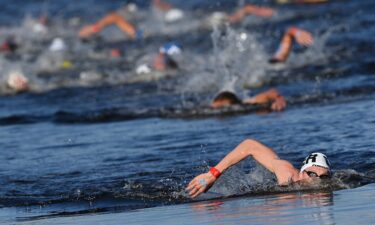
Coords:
pixel 18 82
pixel 172 54
pixel 171 49
pixel 225 98
pixel 316 159
pixel 143 69
pixel 217 19
pixel 130 7
pixel 316 165
pixel 58 44
pixel 174 15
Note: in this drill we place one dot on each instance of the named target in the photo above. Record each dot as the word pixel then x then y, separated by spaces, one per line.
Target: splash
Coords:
pixel 238 60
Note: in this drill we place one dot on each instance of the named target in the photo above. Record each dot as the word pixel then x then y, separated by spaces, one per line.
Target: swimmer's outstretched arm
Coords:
pixel 272 96
pixel 250 9
pixel 110 19
pixel 261 153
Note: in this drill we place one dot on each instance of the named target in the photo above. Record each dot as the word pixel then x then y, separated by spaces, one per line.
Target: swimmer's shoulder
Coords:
pixel 284 171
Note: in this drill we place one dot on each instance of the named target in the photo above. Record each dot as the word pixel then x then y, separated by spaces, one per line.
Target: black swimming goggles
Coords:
pixel 313 174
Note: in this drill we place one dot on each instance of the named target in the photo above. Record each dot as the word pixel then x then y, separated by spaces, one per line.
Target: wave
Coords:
pixel 198 111
pixel 124 114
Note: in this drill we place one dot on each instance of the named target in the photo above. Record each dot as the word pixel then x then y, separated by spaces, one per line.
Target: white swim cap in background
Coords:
pixel 173 15
pixel 57 44
pixel 316 159
pixel 132 7
pixel 217 18
pixel 143 69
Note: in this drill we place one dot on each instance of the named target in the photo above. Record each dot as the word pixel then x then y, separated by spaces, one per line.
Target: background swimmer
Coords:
pixel 272 97
pixel 120 18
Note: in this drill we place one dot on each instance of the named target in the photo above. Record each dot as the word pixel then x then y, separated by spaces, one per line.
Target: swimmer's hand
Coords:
pixel 200 184
pixel 302 37
pixel 278 104
pixel 271 96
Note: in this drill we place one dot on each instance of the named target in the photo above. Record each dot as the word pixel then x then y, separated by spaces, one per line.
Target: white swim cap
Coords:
pixel 217 18
pixel 173 15
pixel 143 69
pixel 316 159
pixel 57 44
pixel 132 7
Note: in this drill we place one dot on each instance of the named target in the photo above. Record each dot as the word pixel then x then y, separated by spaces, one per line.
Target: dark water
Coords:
pixel 117 144
pixel 288 208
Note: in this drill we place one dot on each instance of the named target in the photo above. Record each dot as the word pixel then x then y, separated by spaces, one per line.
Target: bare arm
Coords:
pixel 271 96
pixel 250 9
pixel 302 37
pixel 162 5
pixel 110 19
pixel 261 153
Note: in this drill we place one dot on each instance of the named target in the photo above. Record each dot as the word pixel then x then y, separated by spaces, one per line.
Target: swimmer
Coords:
pixel 315 167
pixel 17 82
pixel 302 37
pixel 167 58
pixel 120 18
pixel 271 97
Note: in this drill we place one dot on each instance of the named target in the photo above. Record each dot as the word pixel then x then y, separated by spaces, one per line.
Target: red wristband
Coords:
pixel 293 30
pixel 215 172
pixel 95 28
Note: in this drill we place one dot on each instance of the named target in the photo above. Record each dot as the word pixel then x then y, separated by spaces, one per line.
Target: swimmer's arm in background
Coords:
pixel 302 37
pixel 162 5
pixel 109 19
pixel 261 153
pixel 250 9
pixel 124 25
pixel 272 96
